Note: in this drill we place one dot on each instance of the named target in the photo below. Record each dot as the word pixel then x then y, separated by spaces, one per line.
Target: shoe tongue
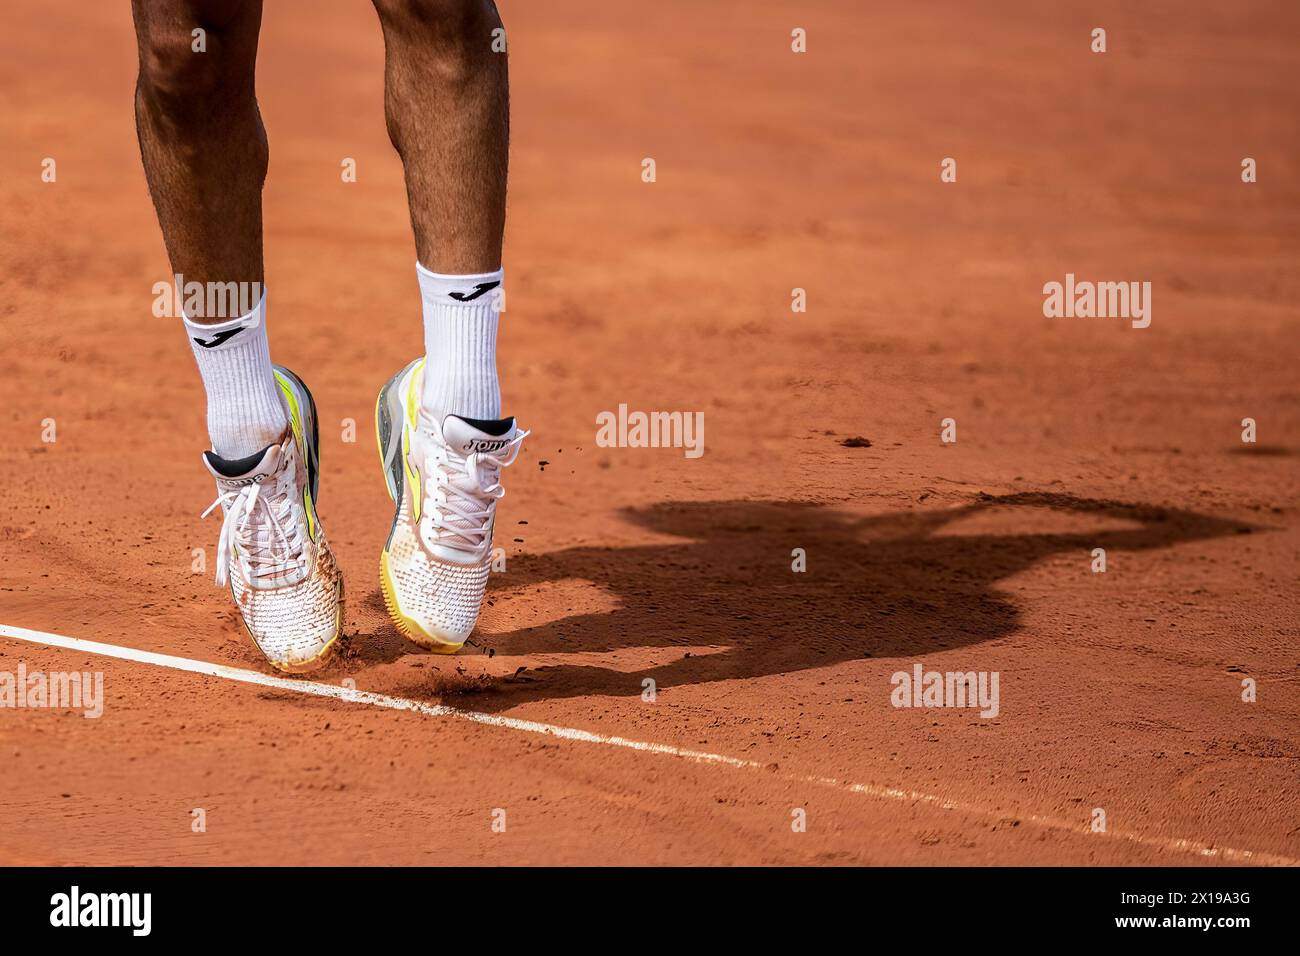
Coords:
pixel 256 467
pixel 469 435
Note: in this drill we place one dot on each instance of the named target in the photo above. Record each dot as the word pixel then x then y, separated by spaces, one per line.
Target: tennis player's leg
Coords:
pixel 442 438
pixel 205 158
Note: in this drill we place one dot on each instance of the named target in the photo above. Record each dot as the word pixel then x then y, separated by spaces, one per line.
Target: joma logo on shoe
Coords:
pixel 482 444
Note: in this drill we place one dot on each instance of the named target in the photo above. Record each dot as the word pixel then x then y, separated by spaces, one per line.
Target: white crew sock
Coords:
pixel 460 345
pixel 245 410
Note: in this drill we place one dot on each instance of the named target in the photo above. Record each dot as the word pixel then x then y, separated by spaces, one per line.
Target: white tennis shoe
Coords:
pixel 445 481
pixel 272 550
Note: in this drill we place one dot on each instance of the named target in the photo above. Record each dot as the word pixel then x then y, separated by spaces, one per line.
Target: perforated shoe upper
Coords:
pixel 274 555
pixel 438 557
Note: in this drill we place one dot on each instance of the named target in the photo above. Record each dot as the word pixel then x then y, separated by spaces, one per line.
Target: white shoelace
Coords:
pixel 461 492
pixel 270 541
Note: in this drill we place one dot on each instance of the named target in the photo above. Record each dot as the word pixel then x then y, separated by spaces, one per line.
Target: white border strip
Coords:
pixel 313 688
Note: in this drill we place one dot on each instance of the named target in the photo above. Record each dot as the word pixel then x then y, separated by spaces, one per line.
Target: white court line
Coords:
pixel 313 688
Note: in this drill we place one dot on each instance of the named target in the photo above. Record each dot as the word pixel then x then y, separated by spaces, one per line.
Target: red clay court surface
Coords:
pixel 1120 691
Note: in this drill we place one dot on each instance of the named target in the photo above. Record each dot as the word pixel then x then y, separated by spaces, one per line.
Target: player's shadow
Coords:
pixel 880 586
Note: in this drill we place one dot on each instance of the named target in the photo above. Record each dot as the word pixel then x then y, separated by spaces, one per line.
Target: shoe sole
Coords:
pixel 389 417
pixel 311 426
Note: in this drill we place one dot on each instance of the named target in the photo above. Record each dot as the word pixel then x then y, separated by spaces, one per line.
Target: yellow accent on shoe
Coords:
pixel 412 395
pixel 309 508
pixel 295 413
pixel 379 443
pixel 412 476
pixel 407 625
pixel 412 416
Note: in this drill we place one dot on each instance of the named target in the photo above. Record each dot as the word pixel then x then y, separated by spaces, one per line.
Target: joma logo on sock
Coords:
pixel 1103 300
pixel 473 294
pixel 651 430
pixel 223 336
pixel 923 688
pixel 74 908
